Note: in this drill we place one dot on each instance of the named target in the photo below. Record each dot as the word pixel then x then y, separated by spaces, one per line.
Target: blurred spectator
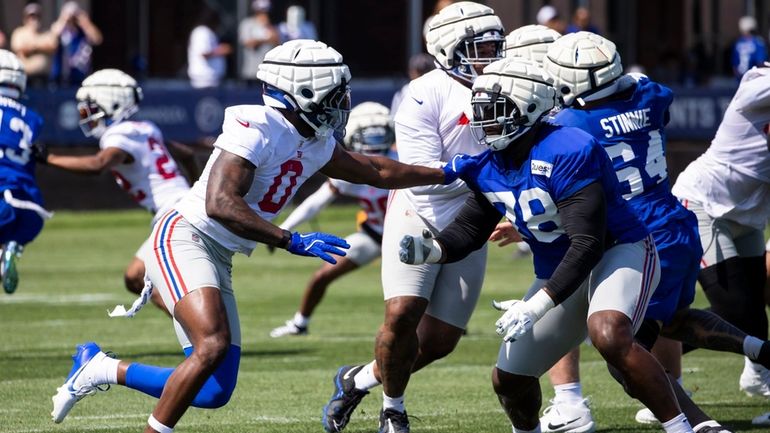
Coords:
pixel 419 65
pixel 77 36
pixel 548 16
pixel 206 64
pixel 295 26
pixel 581 22
pixel 2 39
pixel 257 36
pixel 33 46
pixel 749 50
pixel 440 4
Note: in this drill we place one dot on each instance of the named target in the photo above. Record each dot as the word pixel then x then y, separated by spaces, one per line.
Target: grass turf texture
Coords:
pixel 72 274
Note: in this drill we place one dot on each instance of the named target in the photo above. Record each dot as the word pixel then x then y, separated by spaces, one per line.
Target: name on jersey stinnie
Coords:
pixel 624 123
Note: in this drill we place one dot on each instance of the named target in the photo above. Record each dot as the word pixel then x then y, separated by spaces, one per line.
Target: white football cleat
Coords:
pixel 290 328
pixel 80 380
pixel 755 381
pixel 562 417
pixel 645 416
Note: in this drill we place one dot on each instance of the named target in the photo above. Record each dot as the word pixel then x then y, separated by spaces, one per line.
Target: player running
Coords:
pixel 595 262
pixel 262 156
pixel 427 307
pixel 133 151
pixel 21 211
pixel 369 131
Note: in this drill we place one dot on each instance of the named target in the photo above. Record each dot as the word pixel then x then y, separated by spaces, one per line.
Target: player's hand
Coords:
pixel 505 234
pixel 40 152
pixel 416 250
pixel 317 244
pixel 516 320
pixel 457 167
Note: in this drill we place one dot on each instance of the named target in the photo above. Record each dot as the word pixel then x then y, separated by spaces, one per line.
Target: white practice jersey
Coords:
pixel 432 125
pixel 373 201
pixel 284 160
pixel 732 178
pixel 152 179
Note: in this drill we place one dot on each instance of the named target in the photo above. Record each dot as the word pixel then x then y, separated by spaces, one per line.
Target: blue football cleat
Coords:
pixel 344 399
pixel 80 380
pixel 10 276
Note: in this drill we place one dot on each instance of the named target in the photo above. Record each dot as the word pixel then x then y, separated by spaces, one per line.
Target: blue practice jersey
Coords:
pixel 564 161
pixel 19 127
pixel 631 131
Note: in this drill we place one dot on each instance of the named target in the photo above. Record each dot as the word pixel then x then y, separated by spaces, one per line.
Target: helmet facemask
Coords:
pixel 497 120
pixel 330 116
pixel 93 119
pixel 372 140
pixel 475 52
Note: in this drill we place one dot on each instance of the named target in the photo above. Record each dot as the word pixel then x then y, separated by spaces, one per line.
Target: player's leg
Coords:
pixel 622 285
pixel 767 275
pixel 363 250
pixel 568 403
pixel 522 362
pixel 133 277
pixel 18 227
pixel 407 290
pixel 193 278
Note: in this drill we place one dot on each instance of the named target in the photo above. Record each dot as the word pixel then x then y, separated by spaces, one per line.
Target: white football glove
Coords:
pixel 520 316
pixel 416 250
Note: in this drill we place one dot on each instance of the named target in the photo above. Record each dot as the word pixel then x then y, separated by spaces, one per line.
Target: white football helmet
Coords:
pixel 582 63
pixel 508 98
pixel 106 97
pixel 370 129
pixel 465 34
pixel 308 77
pixel 13 79
pixel 530 41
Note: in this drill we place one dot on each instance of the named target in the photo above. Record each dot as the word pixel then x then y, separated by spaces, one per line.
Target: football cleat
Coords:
pixel 393 421
pixel 290 328
pixel 755 381
pixel 645 416
pixel 564 417
pixel 713 429
pixel 763 419
pixel 80 380
pixel 10 275
pixel 344 399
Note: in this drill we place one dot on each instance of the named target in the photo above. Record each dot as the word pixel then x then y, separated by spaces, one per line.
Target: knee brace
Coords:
pixel 735 289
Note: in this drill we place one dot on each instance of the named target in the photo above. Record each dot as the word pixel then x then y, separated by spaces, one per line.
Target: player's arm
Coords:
pixel 311 206
pixel 379 171
pixel 229 181
pixel 185 155
pixel 91 164
pixel 584 217
pixel 470 230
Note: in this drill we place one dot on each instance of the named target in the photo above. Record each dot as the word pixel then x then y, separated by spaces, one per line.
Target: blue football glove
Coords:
pixel 317 244
pixel 457 167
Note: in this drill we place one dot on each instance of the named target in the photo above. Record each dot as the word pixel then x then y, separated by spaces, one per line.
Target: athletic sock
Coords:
pixel 752 346
pixel 300 320
pixel 110 370
pixel 678 424
pixel 148 379
pixel 104 370
pixel 365 379
pixel 393 403
pixel 570 393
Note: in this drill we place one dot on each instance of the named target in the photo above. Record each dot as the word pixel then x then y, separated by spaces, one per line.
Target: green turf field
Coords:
pixel 72 274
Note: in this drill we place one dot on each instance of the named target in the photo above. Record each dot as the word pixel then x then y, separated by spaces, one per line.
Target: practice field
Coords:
pixel 72 274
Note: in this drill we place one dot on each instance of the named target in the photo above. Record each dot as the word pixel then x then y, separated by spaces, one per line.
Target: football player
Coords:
pixel 369 131
pixel 427 307
pixel 728 189
pixel 21 211
pixel 627 114
pixel 133 151
pixel 262 156
pixel 595 262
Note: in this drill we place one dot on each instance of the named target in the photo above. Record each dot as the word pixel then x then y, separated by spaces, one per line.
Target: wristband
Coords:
pixel 540 303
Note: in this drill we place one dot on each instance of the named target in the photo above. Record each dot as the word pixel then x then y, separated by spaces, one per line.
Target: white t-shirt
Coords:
pixel 152 179
pixel 204 72
pixel 432 125
pixel 284 160
pixel 732 178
